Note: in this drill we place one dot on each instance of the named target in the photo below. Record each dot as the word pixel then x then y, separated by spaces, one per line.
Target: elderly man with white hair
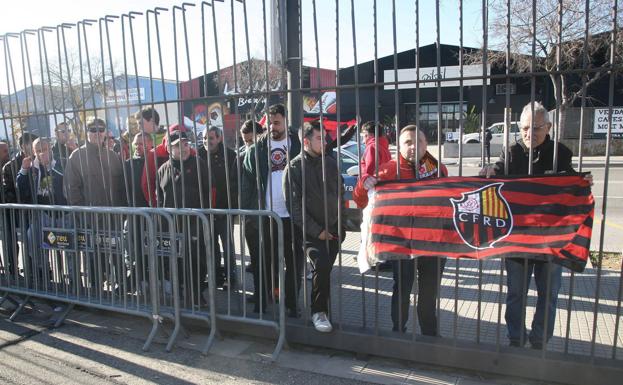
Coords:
pixel 534 137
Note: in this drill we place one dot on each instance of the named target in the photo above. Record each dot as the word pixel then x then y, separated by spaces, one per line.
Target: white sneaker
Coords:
pixel 321 322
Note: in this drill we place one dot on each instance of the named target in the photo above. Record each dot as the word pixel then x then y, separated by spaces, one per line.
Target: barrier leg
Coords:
pixel 173 337
pixel 19 309
pixel 210 340
pixel 155 319
pixel 63 315
pixel 7 297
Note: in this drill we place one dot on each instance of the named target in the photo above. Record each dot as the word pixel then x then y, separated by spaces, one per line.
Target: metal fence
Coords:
pixel 212 231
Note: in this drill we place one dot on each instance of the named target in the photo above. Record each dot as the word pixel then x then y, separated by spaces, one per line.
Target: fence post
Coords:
pixel 293 52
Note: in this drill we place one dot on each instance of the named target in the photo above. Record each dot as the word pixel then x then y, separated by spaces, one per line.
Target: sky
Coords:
pixel 33 14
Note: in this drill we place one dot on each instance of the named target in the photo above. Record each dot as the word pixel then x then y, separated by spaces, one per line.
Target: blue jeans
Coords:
pixel 518 290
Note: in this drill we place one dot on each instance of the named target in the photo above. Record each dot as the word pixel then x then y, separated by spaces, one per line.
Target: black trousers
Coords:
pixel 429 271
pixel 10 247
pixel 322 260
pixel 265 273
pixel 227 270
pixel 252 236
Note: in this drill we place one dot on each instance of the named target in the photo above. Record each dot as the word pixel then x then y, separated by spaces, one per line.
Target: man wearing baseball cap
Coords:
pixel 182 182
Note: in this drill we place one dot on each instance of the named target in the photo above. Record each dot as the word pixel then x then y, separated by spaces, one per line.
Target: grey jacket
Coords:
pixel 94 177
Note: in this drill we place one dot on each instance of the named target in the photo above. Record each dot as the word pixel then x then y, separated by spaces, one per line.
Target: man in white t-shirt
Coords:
pixel 262 188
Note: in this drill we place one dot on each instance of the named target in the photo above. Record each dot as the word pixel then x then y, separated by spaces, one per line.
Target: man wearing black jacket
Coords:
pixel 318 212
pixel 136 260
pixel 11 195
pixel 547 275
pixel 221 163
pixel 182 182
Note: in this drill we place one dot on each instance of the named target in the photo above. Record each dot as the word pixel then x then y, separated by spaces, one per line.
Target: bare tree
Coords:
pixel 77 86
pixel 250 77
pixel 562 42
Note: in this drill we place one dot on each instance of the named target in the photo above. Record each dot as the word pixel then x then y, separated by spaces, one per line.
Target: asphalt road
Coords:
pixel 613 224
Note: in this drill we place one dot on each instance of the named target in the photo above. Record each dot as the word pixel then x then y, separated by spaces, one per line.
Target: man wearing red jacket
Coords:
pixel 412 146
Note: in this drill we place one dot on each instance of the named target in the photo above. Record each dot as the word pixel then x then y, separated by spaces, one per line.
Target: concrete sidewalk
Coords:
pixel 101 347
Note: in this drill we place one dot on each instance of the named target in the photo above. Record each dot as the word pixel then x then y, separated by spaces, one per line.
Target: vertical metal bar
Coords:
pixel 44 54
pixel 580 156
pixel 617 318
pixel 532 92
pixel 322 141
pixel 611 76
pixel 414 319
pixel 438 99
pixel 358 118
pixel 438 276
pixel 456 296
pixel 485 53
pixel 157 11
pixel 376 140
pixel 506 148
pixel 23 60
pixel 461 121
pixel 11 143
pixel 26 63
pixel 262 273
pixel 558 122
pixel 396 91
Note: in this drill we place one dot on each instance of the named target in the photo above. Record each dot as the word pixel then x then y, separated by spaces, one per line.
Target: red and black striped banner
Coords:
pixel 545 217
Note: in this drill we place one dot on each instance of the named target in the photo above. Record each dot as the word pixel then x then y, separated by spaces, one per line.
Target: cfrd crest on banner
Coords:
pixel 482 217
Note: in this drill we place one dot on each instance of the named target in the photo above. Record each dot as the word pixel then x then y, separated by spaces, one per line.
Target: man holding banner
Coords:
pixel 547 275
pixel 429 268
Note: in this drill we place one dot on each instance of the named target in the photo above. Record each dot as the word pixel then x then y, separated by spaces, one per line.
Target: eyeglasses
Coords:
pixel 63 131
pixel 97 129
pixel 536 128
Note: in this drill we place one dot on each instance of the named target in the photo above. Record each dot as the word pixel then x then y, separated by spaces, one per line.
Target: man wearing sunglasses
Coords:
pixel 94 174
pixel 94 177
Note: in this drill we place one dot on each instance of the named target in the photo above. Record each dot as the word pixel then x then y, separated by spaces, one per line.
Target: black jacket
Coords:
pixel 314 193
pixel 41 186
pixel 169 183
pixel 220 182
pixel 9 175
pixel 134 169
pixel 61 154
pixel 543 159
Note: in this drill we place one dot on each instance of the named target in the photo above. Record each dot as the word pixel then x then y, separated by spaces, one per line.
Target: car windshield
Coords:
pixel 346 160
pixel 351 147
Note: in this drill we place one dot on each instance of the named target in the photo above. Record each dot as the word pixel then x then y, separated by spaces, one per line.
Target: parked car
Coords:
pixel 497 131
pixel 349 160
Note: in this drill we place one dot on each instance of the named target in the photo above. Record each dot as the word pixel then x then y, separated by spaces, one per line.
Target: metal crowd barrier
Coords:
pixel 156 263
pixel 233 302
pixel 79 256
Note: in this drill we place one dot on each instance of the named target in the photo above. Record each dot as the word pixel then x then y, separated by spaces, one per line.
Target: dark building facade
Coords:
pixel 474 96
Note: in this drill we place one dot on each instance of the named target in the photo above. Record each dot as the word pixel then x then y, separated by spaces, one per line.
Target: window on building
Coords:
pixel 500 89
pixel 428 116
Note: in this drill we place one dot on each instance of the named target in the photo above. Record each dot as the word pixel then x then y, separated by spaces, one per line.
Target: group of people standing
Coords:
pixel 293 174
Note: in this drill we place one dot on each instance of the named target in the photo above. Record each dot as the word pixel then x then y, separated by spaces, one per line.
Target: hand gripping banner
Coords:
pixel 545 217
